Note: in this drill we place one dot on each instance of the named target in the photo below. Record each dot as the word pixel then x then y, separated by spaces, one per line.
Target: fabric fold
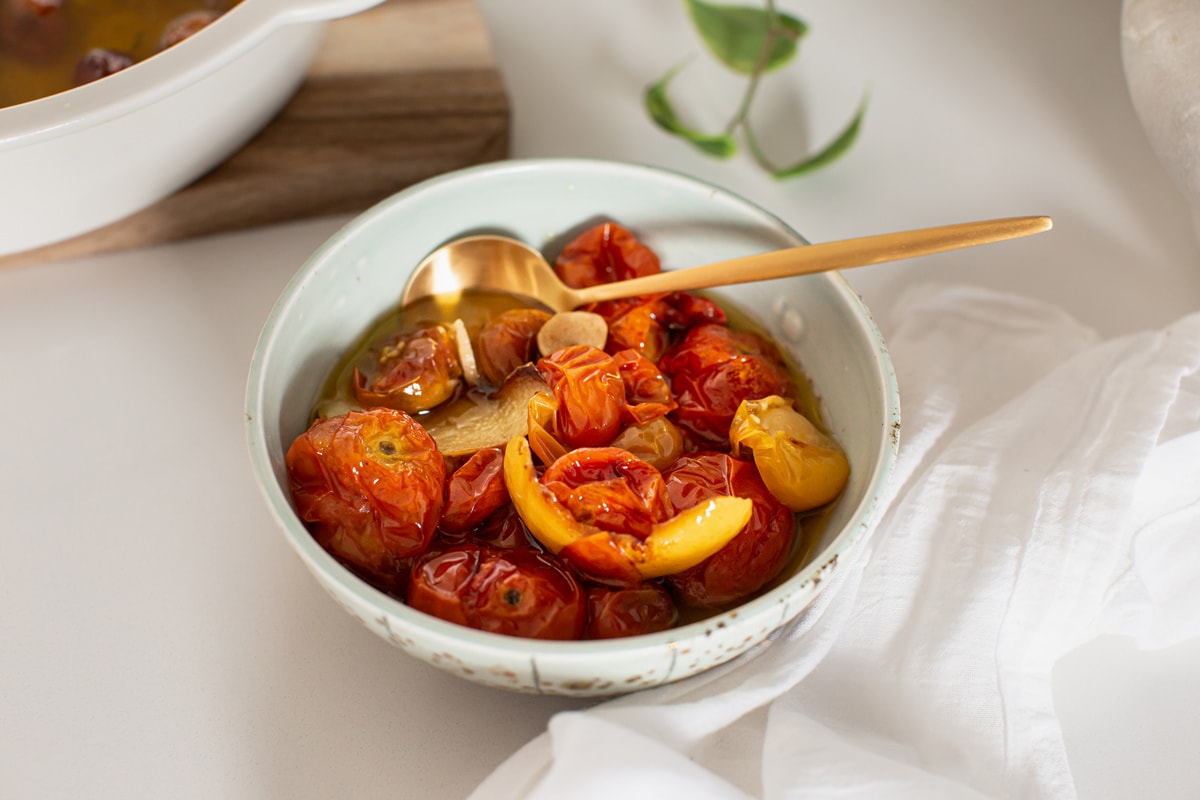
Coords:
pixel 1042 498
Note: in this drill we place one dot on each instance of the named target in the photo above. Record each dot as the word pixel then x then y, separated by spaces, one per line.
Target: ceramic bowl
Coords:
pixel 78 160
pixel 356 277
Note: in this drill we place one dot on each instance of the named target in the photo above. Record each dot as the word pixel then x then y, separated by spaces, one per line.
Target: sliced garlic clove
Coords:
pixel 466 354
pixel 570 328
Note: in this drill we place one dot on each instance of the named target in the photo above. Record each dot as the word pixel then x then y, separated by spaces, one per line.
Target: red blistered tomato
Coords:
pixel 369 485
pixel 603 254
pixel 414 372
pixel 474 490
pixel 712 370
pixel 756 555
pixel 590 394
pixel 649 323
pixel 682 310
pixel 517 592
pixel 438 580
pixel 633 324
pixel 615 612
pixel 647 393
pixel 609 488
pixel 507 341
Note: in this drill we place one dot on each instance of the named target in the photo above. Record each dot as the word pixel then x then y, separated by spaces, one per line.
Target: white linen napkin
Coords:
pixel 1046 493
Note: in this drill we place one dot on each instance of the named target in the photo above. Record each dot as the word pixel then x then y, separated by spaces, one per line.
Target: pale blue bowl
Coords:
pixel 359 273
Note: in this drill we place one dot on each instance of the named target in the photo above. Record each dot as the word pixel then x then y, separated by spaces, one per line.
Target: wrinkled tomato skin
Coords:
pixel 755 556
pixel 507 341
pixel 629 611
pixel 633 324
pixel 609 488
pixel 647 393
pixel 414 372
pixel 369 485
pixel 474 491
pixel 710 343
pixel 711 371
pixel 605 253
pixel 516 592
pixel 590 393
pixel 649 323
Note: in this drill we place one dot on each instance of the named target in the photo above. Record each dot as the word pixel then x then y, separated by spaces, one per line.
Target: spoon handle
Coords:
pixel 842 254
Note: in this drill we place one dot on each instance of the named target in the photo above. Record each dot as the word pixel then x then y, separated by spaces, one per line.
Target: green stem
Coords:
pixel 756 152
pixel 763 56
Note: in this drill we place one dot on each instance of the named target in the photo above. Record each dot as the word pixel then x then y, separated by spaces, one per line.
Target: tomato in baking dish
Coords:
pixel 50 46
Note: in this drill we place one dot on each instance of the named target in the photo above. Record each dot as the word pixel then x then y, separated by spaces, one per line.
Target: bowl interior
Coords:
pixel 360 272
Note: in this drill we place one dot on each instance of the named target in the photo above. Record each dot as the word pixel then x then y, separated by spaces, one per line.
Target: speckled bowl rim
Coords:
pixel 806 579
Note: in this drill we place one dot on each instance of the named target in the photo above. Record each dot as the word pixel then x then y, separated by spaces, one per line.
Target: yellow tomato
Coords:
pixel 801 466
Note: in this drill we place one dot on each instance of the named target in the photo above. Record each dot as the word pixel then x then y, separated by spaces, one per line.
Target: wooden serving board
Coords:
pixel 397 94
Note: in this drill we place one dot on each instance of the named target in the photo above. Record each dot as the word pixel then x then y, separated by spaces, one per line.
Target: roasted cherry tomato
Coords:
pixel 369 485
pixel 657 442
pixel 633 324
pixel 629 611
pixel 32 30
pixel 756 555
pixel 712 370
pixel 184 26
pixel 682 310
pixel 507 341
pixel 99 63
pixel 505 529
pixel 609 488
pixel 801 466
pixel 648 324
pixel 647 393
pixel 413 372
pixel 517 592
pixel 587 384
pixel 474 491
pixel 603 254
pixel 542 424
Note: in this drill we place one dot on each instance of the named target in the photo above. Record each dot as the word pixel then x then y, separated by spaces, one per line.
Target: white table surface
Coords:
pixel 158 638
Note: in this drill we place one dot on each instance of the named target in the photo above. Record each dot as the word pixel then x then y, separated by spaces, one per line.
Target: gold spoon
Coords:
pixel 501 264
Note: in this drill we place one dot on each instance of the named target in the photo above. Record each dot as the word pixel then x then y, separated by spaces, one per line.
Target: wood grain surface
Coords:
pixel 397 94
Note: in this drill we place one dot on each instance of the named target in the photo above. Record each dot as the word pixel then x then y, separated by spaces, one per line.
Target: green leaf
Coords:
pixel 827 155
pixel 738 35
pixel 659 107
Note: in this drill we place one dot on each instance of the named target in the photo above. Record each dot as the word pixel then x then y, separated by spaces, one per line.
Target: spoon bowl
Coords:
pixel 501 264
